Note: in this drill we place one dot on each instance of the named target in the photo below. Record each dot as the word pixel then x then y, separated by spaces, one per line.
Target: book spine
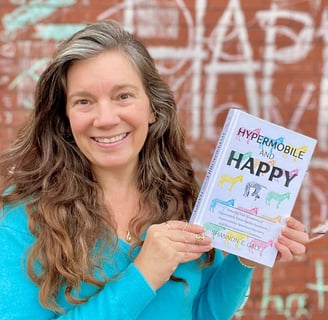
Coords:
pixel 214 164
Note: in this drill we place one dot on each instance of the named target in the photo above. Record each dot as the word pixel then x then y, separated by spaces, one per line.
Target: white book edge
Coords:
pixel 214 165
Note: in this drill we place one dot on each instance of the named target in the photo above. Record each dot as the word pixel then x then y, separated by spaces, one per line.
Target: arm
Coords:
pixel 21 294
pixel 225 284
pixel 224 288
pixel 120 299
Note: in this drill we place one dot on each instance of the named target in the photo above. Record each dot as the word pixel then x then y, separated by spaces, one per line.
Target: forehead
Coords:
pixel 109 66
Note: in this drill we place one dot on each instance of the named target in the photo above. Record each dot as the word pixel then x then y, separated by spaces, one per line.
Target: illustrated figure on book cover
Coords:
pixel 251 185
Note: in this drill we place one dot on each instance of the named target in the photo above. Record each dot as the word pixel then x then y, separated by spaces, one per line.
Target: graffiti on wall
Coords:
pixel 194 54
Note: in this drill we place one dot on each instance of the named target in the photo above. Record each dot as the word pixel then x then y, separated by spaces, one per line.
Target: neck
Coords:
pixel 124 206
pixel 122 197
pixel 117 180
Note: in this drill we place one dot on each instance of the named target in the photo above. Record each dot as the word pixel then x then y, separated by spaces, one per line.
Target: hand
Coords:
pixel 292 240
pixel 166 246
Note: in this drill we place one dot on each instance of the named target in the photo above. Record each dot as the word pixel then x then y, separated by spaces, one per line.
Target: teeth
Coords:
pixel 111 140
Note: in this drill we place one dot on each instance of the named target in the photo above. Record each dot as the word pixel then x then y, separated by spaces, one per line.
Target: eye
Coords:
pixel 82 102
pixel 125 96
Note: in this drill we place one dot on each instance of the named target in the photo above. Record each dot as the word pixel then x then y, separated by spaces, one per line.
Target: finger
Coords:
pixel 180 232
pixel 192 240
pixel 191 237
pixel 284 254
pixel 295 224
pixel 199 238
pixel 184 226
pixel 168 226
pixel 295 234
pixel 295 248
pixel 189 251
pixel 189 256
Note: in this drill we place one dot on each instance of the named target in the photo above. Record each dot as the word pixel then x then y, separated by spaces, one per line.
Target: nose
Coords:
pixel 106 114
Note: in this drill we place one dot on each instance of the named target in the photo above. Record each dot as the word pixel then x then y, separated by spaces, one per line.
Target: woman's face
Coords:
pixel 108 110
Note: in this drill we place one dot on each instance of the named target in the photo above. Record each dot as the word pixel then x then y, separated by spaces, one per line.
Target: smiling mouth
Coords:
pixel 112 139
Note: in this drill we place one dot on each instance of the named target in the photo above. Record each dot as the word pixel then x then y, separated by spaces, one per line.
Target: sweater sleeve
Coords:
pixel 120 299
pixel 224 289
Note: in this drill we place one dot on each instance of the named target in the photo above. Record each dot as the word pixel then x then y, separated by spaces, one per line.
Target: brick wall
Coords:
pixel 268 57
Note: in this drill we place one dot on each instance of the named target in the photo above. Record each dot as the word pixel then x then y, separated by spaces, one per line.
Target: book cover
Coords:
pixel 251 185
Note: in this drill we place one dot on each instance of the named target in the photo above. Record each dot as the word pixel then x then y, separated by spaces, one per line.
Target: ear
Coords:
pixel 152 117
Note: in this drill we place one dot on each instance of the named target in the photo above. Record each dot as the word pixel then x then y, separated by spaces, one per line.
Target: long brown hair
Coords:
pixel 65 204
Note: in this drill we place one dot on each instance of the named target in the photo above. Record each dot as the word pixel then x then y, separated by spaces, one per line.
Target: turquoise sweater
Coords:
pixel 215 292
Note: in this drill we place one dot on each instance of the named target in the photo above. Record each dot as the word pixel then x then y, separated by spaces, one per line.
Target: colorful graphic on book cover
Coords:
pixel 261 169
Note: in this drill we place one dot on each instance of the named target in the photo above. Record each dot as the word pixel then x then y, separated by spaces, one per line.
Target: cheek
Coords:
pixel 78 123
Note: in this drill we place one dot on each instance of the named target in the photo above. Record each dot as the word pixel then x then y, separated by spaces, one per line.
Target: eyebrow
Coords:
pixel 79 94
pixel 115 88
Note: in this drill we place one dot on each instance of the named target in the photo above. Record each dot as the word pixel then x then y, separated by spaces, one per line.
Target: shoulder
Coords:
pixel 15 236
pixel 14 217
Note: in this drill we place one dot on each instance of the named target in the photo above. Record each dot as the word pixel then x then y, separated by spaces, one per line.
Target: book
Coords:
pixel 251 185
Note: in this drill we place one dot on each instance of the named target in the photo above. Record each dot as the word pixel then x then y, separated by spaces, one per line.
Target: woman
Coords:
pixel 96 192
